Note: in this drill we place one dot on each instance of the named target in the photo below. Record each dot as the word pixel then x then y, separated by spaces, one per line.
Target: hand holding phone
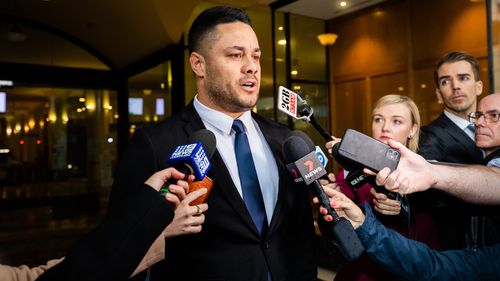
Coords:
pixel 368 152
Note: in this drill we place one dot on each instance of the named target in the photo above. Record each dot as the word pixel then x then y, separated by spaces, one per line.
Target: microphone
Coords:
pixel 293 105
pixel 192 158
pixel 305 167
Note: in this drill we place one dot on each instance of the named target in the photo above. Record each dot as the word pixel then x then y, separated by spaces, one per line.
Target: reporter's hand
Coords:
pixel 187 219
pixel 178 191
pixel 343 206
pixel 384 205
pixel 331 143
pixel 413 173
pixel 330 182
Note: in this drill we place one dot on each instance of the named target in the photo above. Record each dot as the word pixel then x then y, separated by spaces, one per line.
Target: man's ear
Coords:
pixel 479 88
pixel 439 96
pixel 197 62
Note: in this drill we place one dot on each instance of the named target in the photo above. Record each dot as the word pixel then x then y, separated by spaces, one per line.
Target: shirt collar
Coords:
pixel 460 122
pixel 219 120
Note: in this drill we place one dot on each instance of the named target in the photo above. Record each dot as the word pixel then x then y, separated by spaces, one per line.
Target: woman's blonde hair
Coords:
pixel 415 115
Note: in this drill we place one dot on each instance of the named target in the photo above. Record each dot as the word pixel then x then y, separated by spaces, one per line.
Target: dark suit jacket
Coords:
pixel 229 247
pixel 444 141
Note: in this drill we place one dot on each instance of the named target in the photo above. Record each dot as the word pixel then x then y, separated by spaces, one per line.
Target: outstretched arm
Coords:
pixel 412 260
pixel 471 183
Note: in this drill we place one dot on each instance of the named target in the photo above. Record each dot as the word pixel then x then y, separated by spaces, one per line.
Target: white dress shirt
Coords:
pixel 461 123
pixel 265 164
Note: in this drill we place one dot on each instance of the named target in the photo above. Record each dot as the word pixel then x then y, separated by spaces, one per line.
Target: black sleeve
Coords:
pixel 117 245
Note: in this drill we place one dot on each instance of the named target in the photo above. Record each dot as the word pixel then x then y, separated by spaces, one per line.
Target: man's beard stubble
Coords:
pixel 219 95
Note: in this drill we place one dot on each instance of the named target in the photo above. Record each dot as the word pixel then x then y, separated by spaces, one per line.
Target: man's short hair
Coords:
pixel 205 23
pixel 456 56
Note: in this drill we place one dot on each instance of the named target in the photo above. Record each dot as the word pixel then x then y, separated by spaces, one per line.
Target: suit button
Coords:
pixel 266 245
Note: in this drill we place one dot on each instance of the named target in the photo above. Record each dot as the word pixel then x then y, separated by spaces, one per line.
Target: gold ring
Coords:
pixel 198 210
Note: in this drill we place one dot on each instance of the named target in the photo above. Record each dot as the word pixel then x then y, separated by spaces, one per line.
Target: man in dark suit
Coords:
pixel 449 138
pixel 233 244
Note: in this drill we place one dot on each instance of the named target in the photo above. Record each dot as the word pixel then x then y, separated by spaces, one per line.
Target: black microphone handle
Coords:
pixel 325 201
pixel 347 240
pixel 324 133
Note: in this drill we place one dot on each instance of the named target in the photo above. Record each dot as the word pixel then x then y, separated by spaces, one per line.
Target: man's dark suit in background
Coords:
pixel 444 141
pixel 228 247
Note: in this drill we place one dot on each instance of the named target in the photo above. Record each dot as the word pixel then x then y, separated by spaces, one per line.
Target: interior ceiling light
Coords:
pixel 343 3
pixel 327 39
pixel 15 34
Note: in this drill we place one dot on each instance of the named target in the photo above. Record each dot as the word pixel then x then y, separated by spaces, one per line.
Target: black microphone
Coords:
pixel 192 158
pixel 305 167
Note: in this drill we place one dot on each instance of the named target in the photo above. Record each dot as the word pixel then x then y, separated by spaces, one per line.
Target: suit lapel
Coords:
pixel 467 144
pixel 219 174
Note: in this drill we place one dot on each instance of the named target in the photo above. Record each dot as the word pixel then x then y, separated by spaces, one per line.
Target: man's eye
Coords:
pixel 445 82
pixel 236 56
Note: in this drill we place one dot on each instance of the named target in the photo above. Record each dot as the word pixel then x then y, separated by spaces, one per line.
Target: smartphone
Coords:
pixel 367 151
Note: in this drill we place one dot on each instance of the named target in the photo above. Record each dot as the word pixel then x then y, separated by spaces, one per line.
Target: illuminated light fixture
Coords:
pixel 4 151
pixel 294 72
pixel 147 92
pixel 15 34
pixel 282 42
pixel 70 166
pixel 107 107
pixel 78 110
pixel 31 123
pixel 110 140
pixel 297 87
pixel 6 83
pixel 90 107
pixel 21 141
pixel 116 116
pixel 41 123
pixel 280 28
pixel 8 131
pixel 343 3
pixel 26 128
pixel 400 89
pixel 38 142
pixel 423 86
pixel 162 85
pixel 81 99
pixel 327 39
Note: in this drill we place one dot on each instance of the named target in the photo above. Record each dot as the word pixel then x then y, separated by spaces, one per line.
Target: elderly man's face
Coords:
pixel 488 132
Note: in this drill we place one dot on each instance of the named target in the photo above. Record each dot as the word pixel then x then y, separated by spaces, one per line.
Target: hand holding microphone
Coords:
pixel 305 167
pixel 194 159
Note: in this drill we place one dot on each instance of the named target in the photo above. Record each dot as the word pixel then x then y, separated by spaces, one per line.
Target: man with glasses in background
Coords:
pixel 487 134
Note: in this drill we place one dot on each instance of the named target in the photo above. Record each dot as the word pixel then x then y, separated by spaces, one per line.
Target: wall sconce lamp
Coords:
pixel 327 39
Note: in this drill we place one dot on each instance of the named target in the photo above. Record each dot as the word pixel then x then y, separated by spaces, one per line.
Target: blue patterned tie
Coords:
pixel 248 178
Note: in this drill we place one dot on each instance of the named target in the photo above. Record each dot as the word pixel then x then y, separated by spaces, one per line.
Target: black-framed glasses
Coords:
pixel 489 117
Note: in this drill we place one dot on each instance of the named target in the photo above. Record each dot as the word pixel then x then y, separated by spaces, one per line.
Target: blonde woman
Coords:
pixel 394 117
